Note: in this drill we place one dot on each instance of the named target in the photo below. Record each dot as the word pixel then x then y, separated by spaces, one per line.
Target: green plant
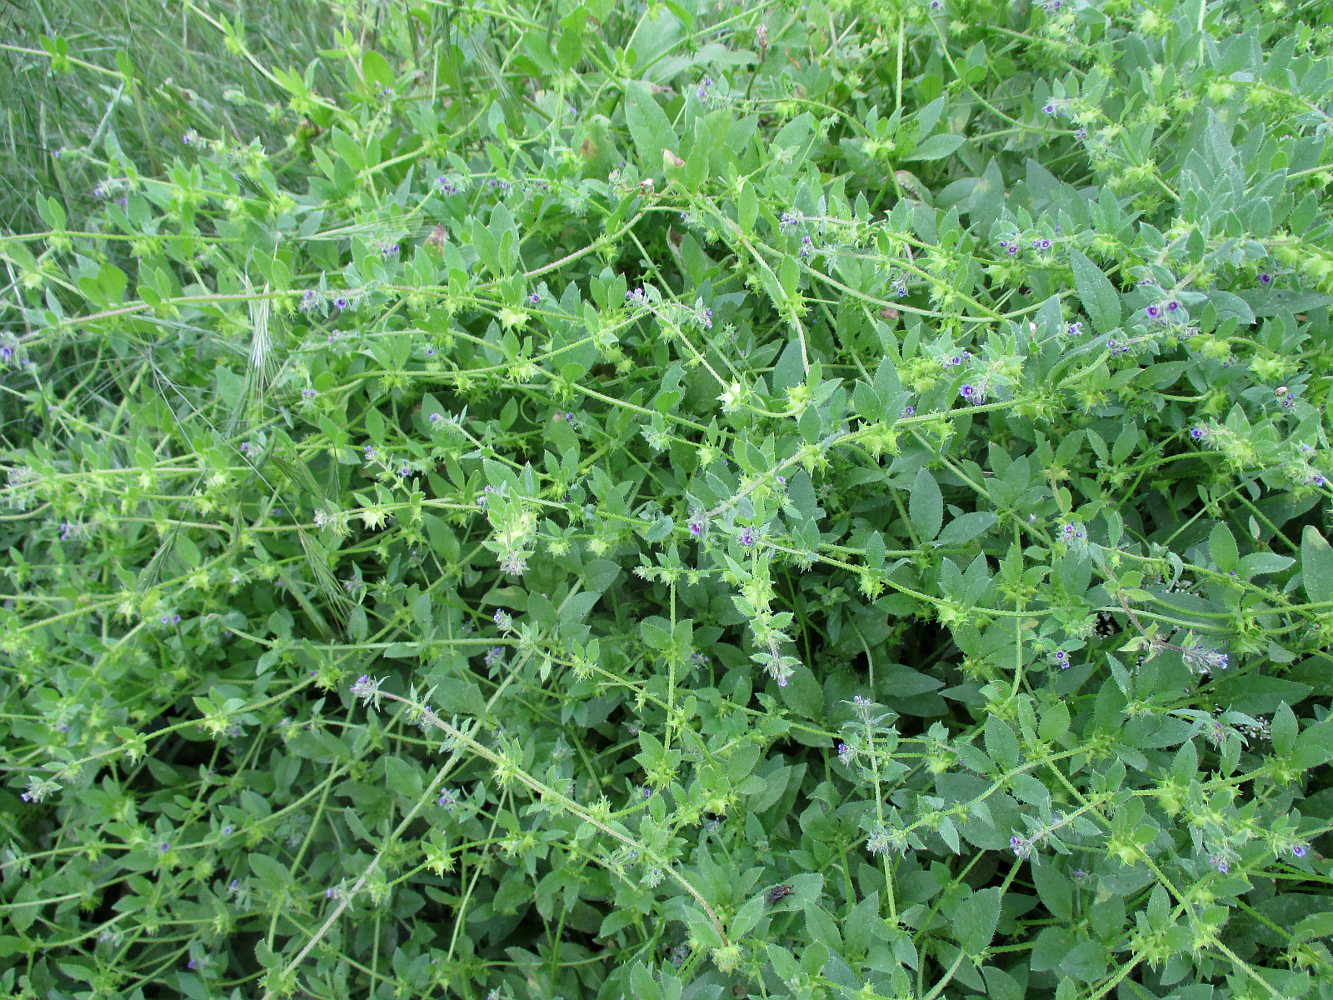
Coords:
pixel 498 496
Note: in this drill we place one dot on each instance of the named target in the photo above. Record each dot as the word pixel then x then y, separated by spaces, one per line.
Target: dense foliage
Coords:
pixel 690 500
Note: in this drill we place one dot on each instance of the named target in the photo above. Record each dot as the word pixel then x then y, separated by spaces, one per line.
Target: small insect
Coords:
pixel 776 893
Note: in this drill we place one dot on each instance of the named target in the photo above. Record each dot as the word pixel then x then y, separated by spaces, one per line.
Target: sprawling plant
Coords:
pixel 675 500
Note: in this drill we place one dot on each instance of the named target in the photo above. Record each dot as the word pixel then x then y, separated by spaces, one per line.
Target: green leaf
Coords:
pixel 1001 743
pixel 642 983
pixel 649 126
pixel 375 68
pixel 926 505
pixel 569 47
pixel 1222 547
pixel 966 527
pixel 269 871
pixel 1316 565
pixel 1053 887
pixel 1258 695
pixel 820 926
pixel 747 208
pixel 1314 746
pixel 1283 729
pixel 1099 297
pixel 1050 948
pixel 937 147
pixel 974 919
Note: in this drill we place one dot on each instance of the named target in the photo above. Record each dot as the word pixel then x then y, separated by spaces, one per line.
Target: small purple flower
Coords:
pixel 434 418
pixel 747 537
pixel 1265 278
pixel 1080 133
pixel 807 247
pixel 788 219
pixel 389 249
pixel 1074 329
pixel 909 411
pixel 1153 312
pixel 1048 108
pixel 1300 850
pixel 1220 863
pixel 163 847
pixel 233 885
pixel 534 298
pixel 1318 480
pixel 1172 306
pixel 1196 433
pixel 405 471
pixel 309 393
pixel 1044 244
pixel 228 830
pixel 308 300
pixel 843 750
pixel 1012 248
pixel 330 892
pixel 446 186
pixel 696 527
pixel 448 798
pixel 1062 658
pixel 341 302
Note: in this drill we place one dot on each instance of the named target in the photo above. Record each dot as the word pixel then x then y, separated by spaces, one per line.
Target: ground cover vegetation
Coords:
pixel 684 500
